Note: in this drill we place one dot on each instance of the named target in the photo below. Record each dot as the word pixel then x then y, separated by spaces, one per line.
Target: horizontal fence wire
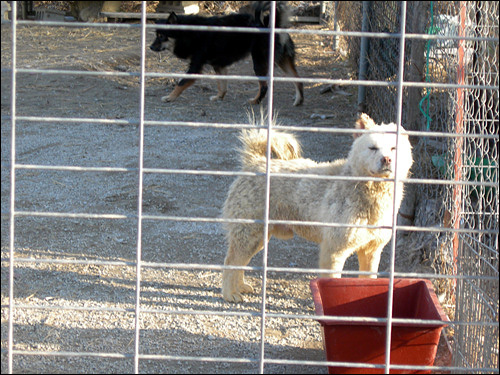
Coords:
pixel 256 79
pixel 371 34
pixel 466 274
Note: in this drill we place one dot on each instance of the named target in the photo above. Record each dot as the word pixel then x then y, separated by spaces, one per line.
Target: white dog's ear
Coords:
pixel 364 122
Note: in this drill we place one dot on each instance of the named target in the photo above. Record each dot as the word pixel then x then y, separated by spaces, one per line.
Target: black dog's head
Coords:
pixel 163 39
pixel 261 10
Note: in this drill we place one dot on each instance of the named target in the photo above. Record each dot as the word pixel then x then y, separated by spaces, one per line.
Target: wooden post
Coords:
pixel 459 129
pixel 420 14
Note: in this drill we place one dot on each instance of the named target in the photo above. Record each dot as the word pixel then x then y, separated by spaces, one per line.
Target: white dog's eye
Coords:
pixel 373 148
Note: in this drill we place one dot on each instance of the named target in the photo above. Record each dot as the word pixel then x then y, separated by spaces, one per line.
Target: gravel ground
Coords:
pixel 168 290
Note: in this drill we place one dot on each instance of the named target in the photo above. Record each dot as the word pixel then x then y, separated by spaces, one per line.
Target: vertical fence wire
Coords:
pixel 399 105
pixel 10 345
pixel 140 190
pixel 272 35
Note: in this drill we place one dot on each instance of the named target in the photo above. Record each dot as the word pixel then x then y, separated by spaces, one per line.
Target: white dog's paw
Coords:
pixel 245 288
pixel 234 295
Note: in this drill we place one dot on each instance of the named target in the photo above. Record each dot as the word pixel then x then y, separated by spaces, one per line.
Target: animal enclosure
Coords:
pixel 112 238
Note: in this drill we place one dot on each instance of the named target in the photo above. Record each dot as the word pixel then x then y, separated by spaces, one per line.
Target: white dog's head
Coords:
pixel 374 154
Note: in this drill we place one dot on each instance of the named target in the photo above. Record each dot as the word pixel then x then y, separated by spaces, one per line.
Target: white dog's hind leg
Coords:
pixel 233 281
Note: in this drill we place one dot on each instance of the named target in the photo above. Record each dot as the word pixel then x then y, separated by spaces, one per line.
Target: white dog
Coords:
pixel 343 202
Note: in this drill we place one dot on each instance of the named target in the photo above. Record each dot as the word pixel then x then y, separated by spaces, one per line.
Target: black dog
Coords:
pixel 221 49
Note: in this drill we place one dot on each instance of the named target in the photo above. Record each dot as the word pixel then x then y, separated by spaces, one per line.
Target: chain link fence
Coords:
pixel 467 112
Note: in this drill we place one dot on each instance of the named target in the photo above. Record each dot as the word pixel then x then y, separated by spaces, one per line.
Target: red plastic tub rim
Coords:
pixel 357 293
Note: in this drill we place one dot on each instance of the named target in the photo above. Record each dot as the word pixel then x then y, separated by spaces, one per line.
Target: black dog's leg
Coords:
pixel 261 93
pixel 184 83
pixel 181 86
pixel 287 64
pixel 260 67
pixel 221 84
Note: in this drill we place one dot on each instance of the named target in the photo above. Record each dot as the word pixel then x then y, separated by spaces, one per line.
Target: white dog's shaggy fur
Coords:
pixel 344 202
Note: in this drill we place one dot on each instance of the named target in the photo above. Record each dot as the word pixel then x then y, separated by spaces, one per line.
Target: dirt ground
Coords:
pixel 61 283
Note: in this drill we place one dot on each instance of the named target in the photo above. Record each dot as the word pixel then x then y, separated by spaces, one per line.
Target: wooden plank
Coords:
pixel 133 15
pixel 165 15
pixel 305 19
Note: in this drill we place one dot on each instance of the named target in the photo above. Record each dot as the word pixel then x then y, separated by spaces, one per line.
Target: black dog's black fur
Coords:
pixel 221 49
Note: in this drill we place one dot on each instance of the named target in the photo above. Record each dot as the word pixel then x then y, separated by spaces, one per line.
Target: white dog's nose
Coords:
pixel 386 160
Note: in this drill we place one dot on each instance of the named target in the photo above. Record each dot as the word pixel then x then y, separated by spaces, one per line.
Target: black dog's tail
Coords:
pixel 262 11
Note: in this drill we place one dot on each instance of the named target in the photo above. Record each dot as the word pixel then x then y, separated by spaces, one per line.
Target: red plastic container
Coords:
pixel 347 341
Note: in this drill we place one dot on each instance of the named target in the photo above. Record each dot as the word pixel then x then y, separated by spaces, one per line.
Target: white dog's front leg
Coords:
pixel 369 260
pixel 330 259
pixel 233 284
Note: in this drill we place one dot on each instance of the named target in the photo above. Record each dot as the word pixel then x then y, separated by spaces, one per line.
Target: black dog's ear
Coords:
pixel 172 19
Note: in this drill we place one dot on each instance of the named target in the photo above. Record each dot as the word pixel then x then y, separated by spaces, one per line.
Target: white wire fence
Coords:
pixel 479 237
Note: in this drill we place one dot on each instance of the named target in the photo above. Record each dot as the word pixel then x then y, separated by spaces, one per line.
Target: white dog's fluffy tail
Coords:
pixel 284 146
